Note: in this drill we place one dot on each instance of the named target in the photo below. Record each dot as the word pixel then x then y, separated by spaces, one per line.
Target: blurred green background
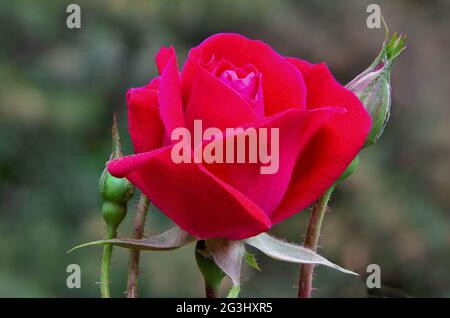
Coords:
pixel 60 87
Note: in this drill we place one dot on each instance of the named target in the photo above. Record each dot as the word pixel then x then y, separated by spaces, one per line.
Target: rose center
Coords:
pixel 246 85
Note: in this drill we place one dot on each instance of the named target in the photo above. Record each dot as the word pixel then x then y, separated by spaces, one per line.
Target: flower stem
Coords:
pixel 212 274
pixel 311 242
pixel 212 291
pixel 133 264
pixel 111 233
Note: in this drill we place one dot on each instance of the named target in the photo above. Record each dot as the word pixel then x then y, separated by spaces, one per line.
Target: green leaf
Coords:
pixel 169 240
pixel 251 261
pixel 289 252
pixel 234 292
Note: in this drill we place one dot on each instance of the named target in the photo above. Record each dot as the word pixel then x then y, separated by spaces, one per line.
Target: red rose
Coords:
pixel 231 81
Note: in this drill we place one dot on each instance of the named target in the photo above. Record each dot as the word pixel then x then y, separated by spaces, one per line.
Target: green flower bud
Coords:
pixel 118 190
pixel 113 213
pixel 349 171
pixel 373 87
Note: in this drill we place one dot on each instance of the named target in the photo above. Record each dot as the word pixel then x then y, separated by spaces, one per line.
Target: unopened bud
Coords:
pixel 116 192
pixel 113 213
pixel 349 171
pixel 373 87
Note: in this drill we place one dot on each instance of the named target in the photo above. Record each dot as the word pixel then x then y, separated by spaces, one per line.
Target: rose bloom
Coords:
pixel 231 81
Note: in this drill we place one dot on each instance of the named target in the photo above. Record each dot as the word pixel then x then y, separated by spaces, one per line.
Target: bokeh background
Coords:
pixel 60 87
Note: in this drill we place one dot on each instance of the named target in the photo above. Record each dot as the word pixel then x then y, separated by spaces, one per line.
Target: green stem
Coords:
pixel 212 290
pixel 111 233
pixel 212 274
pixel 133 264
pixel 311 242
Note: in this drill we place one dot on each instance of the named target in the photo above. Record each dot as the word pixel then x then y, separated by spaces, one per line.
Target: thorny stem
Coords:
pixel 106 263
pixel 311 242
pixel 133 264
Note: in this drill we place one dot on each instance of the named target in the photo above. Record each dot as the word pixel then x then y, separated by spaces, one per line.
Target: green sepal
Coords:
pixel 234 292
pixel 169 240
pixel 251 261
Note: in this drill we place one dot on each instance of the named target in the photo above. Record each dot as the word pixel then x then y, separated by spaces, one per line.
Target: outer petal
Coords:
pixel 145 125
pixel 163 57
pixel 169 97
pixel 296 127
pixel 191 196
pixel 303 66
pixel 332 148
pixel 283 85
pixel 216 104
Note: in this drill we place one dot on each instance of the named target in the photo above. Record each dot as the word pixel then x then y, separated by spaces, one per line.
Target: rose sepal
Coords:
pixel 226 254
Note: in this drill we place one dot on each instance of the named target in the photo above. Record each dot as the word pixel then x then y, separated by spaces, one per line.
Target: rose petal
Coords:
pixel 302 65
pixel 144 124
pixel 169 93
pixel 216 103
pixel 191 196
pixel 332 149
pixel 296 127
pixel 163 57
pixel 283 85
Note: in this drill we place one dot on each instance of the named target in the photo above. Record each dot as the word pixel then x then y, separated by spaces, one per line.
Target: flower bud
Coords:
pixel 373 87
pixel 113 213
pixel 116 192
pixel 349 171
